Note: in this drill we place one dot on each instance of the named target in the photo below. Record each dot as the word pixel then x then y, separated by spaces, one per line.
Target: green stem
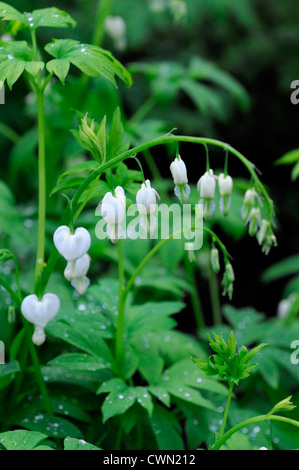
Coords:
pixel 9 133
pixel 41 190
pixel 119 340
pixel 41 172
pixel 247 422
pixel 104 10
pixel 225 415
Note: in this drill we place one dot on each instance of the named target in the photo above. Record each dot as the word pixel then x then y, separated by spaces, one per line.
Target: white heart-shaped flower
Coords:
pixel 77 268
pixel 72 246
pixel 40 312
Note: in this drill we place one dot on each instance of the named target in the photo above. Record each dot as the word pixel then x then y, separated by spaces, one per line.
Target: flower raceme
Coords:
pixel 206 186
pixel 179 173
pixel 113 210
pixel 146 202
pixel 72 246
pixel 40 313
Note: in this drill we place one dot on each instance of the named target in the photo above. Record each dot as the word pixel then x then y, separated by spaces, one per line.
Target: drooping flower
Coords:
pixel 76 271
pixel 40 313
pixel 146 202
pixel 254 220
pixel 179 173
pixel 225 184
pixel 206 186
pixel 72 246
pixel 228 280
pixel 248 203
pixel 113 210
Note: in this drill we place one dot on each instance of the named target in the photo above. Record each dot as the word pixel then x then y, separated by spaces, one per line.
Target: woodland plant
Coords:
pixel 124 355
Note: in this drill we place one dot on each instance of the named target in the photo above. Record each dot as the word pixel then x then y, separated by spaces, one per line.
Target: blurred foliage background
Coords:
pixel 223 72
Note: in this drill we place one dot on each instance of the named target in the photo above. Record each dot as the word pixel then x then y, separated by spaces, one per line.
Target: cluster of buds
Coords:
pixel 257 226
pixel 74 247
pixel 40 313
pixel 207 186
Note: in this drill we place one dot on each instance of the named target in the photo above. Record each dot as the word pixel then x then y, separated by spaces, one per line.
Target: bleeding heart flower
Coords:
pixel 179 173
pixel 76 271
pixel 146 202
pixel 40 313
pixel 72 246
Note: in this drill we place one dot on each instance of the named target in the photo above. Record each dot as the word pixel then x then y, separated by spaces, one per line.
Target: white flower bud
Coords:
pixel 40 313
pixel 72 246
pixel 249 199
pixel 113 209
pixel 225 185
pixel 206 185
pixel 146 202
pixel 179 171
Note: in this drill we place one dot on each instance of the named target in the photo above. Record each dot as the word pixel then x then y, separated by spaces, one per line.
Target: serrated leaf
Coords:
pixel 60 68
pixel 45 17
pixel 117 403
pixel 91 60
pixel 9 369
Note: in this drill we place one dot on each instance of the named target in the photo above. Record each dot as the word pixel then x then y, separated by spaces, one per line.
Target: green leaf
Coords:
pixel 118 402
pixel 9 369
pixel 54 426
pixel 166 429
pixel 91 60
pixel 290 157
pixel 60 68
pixel 21 439
pixel 116 135
pixel 284 268
pixel 70 443
pixel 88 166
pixel 81 362
pixel 15 57
pixel 70 183
pixel 46 17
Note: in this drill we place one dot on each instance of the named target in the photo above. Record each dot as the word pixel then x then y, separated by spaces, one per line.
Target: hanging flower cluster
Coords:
pixel 257 226
pixel 73 247
pixel 40 313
